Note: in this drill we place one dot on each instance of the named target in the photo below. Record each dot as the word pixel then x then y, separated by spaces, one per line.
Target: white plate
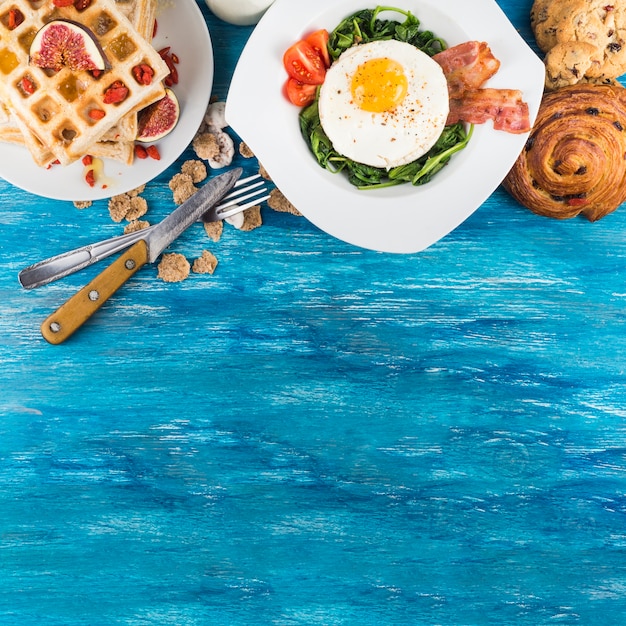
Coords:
pixel 397 219
pixel 181 25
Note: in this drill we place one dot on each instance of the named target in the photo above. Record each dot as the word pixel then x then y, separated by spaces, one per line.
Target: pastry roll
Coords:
pixel 574 160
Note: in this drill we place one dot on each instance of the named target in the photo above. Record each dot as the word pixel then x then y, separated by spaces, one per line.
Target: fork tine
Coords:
pixel 244 181
pixel 242 190
pixel 243 198
pixel 227 211
pixel 232 202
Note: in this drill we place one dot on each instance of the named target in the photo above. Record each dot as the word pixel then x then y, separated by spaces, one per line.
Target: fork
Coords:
pixel 250 191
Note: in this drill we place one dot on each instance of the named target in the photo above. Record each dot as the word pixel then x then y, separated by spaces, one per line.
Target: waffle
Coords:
pixel 119 140
pixel 56 114
pixel 141 14
pixel 4 114
pixel 14 132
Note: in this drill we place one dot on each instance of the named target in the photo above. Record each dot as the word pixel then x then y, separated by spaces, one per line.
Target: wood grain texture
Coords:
pixel 318 434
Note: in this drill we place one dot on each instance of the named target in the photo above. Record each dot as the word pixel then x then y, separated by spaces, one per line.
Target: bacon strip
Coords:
pixel 504 106
pixel 467 66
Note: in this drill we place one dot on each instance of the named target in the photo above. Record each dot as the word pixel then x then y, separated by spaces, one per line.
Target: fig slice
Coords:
pixel 64 43
pixel 159 118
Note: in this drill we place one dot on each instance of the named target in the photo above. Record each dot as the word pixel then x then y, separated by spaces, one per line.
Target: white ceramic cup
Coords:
pixel 240 12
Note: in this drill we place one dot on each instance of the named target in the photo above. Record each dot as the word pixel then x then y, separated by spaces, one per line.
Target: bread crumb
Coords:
pixel 173 267
pixel 205 264
pixel 206 146
pixel 136 191
pixel 136 225
pixel 118 207
pixel 182 187
pixel 138 207
pixel 195 169
pixel 214 229
pixel 264 173
pixel 126 207
pixel 252 218
pixel 179 179
pixel 278 202
pixel 244 150
pixel 82 204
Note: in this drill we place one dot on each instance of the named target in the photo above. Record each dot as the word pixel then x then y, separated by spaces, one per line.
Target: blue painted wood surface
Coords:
pixel 318 434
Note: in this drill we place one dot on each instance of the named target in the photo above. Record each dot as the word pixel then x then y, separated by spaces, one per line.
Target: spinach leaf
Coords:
pixel 365 26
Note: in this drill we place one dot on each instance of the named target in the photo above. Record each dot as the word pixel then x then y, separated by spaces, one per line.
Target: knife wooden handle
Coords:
pixel 80 307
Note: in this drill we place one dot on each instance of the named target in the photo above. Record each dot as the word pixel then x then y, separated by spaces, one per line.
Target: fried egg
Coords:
pixel 383 103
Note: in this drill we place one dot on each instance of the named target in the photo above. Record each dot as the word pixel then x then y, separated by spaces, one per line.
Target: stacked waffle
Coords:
pixel 52 112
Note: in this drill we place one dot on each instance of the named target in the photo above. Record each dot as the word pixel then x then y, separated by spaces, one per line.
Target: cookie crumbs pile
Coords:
pixel 127 207
pixel 214 149
pixel 196 170
pixel 182 188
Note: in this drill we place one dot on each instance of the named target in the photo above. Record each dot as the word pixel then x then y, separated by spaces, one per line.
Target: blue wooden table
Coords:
pixel 318 434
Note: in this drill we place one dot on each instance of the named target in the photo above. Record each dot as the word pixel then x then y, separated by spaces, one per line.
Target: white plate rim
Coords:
pixel 400 219
pixel 182 26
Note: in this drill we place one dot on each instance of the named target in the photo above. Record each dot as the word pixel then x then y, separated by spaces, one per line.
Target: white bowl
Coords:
pixel 397 219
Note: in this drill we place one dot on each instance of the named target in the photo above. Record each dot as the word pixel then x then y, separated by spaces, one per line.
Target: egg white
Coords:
pixel 396 136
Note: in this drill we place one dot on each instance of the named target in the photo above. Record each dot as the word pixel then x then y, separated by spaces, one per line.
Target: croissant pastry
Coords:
pixel 574 160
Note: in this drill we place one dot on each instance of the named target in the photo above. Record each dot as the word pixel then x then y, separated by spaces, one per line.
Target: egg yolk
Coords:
pixel 379 85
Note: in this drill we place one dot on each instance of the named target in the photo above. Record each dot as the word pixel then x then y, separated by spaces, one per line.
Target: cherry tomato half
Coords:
pixel 299 93
pixel 319 42
pixel 304 64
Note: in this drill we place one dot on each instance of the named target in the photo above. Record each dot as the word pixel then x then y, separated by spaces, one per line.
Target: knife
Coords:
pixel 246 193
pixel 80 307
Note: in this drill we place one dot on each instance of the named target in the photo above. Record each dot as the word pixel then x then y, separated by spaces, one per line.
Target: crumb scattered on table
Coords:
pixel 195 169
pixel 205 264
pixel 278 202
pixel 214 229
pixel 264 173
pixel 244 150
pixel 136 225
pixel 136 191
pixel 138 207
pixel 127 207
pixel 252 218
pixel 173 267
pixel 206 146
pixel 182 187
pixel 82 204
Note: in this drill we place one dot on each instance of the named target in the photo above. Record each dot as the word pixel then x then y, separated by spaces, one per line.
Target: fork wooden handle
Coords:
pixel 81 306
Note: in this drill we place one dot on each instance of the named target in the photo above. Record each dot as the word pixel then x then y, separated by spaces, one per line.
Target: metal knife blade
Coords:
pixel 81 306
pixel 187 213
